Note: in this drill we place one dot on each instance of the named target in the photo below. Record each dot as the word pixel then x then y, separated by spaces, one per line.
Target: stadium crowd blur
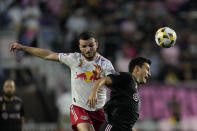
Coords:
pixel 126 28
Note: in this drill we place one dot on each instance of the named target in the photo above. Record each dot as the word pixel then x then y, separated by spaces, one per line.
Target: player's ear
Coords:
pixel 79 43
pixel 135 68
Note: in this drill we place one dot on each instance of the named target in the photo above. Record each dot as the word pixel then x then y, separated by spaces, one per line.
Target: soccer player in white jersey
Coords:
pixel 85 67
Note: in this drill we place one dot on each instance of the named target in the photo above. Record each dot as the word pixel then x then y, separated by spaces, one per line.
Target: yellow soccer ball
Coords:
pixel 165 37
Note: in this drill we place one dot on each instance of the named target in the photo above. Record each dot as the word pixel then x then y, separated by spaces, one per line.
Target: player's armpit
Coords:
pixel 53 57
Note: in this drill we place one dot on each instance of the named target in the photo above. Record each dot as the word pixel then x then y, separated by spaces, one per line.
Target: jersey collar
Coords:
pixel 96 60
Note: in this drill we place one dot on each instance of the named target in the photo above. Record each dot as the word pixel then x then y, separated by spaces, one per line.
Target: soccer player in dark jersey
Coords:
pixel 123 107
pixel 11 109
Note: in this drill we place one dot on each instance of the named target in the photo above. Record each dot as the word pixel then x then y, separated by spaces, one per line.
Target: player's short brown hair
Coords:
pixel 139 61
pixel 87 35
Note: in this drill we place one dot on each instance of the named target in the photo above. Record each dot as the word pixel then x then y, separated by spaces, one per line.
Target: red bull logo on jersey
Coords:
pixel 87 76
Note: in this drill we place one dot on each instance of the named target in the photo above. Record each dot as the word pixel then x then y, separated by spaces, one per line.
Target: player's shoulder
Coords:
pixel 69 54
pixel 126 76
pixel 123 74
pixel 102 58
pixel 120 78
pixel 16 98
pixel 74 55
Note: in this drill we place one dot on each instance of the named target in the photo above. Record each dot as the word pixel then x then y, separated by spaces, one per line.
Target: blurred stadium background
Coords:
pixel 126 29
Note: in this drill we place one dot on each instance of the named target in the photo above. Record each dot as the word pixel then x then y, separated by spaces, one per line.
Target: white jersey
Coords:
pixel 82 78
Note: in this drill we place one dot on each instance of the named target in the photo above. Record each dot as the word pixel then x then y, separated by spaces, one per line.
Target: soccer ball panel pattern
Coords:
pixel 165 37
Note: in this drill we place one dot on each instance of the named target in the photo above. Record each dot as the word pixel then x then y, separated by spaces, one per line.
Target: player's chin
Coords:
pixel 89 57
pixel 144 81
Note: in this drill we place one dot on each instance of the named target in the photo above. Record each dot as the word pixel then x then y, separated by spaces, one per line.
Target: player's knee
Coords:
pixel 85 127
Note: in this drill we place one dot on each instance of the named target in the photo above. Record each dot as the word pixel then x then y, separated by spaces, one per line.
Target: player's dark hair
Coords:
pixel 87 36
pixel 139 61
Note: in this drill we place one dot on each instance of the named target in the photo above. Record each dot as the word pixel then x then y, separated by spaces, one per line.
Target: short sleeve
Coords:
pixel 109 69
pixel 66 58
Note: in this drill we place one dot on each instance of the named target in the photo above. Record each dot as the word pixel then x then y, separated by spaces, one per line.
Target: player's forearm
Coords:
pixel 99 83
pixel 42 53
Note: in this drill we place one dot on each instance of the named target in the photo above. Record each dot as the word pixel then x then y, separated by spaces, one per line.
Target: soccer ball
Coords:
pixel 165 37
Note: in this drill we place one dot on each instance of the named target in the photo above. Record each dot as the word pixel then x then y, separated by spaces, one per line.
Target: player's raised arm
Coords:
pixel 42 53
pixel 92 100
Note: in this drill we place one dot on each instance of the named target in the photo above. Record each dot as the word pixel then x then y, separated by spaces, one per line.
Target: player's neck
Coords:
pixel 136 78
pixel 8 98
pixel 91 59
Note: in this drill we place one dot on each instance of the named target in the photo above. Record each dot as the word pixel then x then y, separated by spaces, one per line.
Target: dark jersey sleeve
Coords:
pixel 119 80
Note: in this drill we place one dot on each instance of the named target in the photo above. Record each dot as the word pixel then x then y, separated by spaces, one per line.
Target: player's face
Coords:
pixel 9 89
pixel 88 48
pixel 144 73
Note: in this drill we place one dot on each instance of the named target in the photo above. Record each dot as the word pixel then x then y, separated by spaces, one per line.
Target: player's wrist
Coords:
pixel 22 47
pixel 98 76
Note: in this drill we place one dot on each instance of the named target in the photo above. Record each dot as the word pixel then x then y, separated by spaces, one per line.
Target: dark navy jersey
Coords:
pixel 10 114
pixel 123 107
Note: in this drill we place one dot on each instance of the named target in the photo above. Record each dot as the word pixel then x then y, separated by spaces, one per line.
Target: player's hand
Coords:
pixel 97 71
pixel 15 46
pixel 92 100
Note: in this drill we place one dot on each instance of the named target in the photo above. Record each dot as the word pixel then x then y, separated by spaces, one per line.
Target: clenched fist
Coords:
pixel 15 46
